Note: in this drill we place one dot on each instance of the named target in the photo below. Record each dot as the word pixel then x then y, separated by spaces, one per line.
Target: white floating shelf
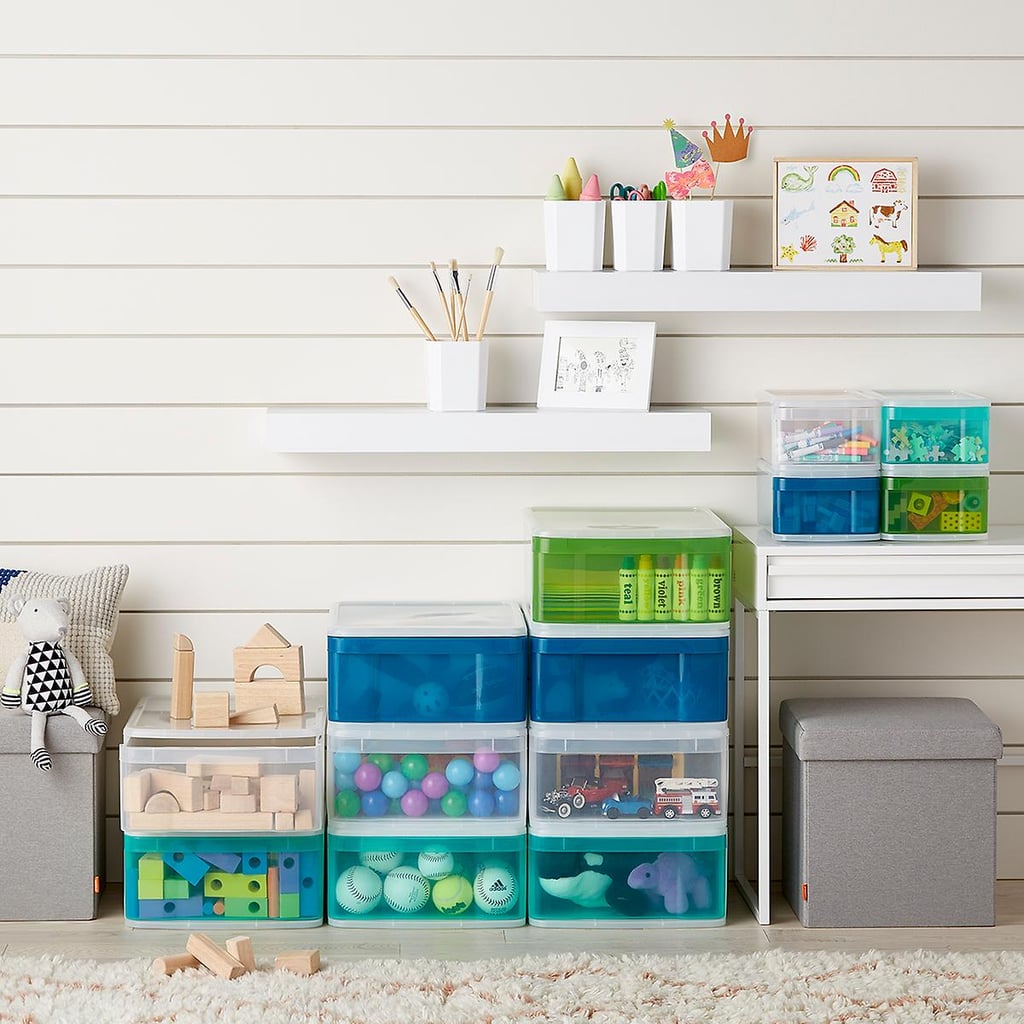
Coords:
pixel 757 291
pixel 404 429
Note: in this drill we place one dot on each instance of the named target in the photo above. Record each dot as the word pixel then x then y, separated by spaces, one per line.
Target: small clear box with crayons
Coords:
pixel 628 565
pixel 818 428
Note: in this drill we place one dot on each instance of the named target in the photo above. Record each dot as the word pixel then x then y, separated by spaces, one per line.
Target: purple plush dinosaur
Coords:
pixel 674 876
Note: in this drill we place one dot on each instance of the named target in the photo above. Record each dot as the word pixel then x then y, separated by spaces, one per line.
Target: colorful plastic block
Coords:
pixel 222 885
pixel 151 865
pixel 288 872
pixel 176 888
pixel 244 908
pixel 290 905
pixel 155 909
pixel 188 865
pixel 223 861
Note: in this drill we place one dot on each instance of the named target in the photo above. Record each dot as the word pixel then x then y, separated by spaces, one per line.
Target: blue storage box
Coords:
pixel 426 662
pixel 822 503
pixel 207 882
pixel 627 881
pixel 609 673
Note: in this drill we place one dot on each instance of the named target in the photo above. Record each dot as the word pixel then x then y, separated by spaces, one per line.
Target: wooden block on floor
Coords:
pixel 136 790
pixel 201 821
pixel 304 820
pixel 309 792
pixel 284 821
pixel 279 793
pixel 257 716
pixel 182 677
pixel 211 956
pixel 175 962
pixel 240 947
pixel 287 694
pixel 237 803
pixel 186 789
pixel 299 961
pixel 162 803
pixel 211 800
pixel 211 710
pixel 241 785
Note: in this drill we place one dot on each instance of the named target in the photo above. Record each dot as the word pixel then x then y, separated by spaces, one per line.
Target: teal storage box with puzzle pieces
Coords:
pixel 627 881
pixel 946 428
pixel 204 882
pixel 426 662
pixel 473 878
pixel 613 673
pixel 934 503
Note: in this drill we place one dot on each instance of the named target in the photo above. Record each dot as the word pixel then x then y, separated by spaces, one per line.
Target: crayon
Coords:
pixel 663 589
pixel 555 189
pixel 699 588
pixel 627 590
pixel 681 585
pixel 592 190
pixel 718 609
pixel 572 181
pixel 645 589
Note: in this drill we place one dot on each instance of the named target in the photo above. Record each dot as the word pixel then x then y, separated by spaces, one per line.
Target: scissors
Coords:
pixel 620 191
pixel 643 192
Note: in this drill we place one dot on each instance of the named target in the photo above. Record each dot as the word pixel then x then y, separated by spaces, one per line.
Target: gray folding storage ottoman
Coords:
pixel 889 812
pixel 51 823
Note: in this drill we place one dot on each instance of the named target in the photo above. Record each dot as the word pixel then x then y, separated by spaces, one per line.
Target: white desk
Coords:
pixel 772 576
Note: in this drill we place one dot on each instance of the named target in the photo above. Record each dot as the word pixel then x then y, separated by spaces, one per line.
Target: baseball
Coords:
pixel 382 861
pixel 435 863
pixel 495 890
pixel 406 890
pixel 358 890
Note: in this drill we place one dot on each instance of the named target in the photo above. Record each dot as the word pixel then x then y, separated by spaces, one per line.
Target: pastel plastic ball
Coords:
pixel 459 772
pixel 415 803
pixel 481 803
pixel 385 762
pixel 482 780
pixel 430 701
pixel 453 803
pixel 435 785
pixel 347 760
pixel 367 776
pixel 506 776
pixel 414 766
pixel 506 802
pixel 344 780
pixel 486 760
pixel 394 784
pixel 346 803
pixel 374 803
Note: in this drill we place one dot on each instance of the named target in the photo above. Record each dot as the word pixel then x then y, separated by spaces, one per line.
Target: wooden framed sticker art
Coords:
pixel 855 215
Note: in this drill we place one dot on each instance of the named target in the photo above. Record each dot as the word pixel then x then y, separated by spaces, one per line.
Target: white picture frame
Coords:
pixel 593 364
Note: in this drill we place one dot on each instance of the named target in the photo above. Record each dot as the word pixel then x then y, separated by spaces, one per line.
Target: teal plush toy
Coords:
pixel 45 679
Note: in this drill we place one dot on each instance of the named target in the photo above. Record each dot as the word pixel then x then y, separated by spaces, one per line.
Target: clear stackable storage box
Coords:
pixel 629 565
pixel 620 880
pixel 818 428
pixel 451 877
pixel 622 673
pixel 587 776
pixel 222 825
pixel 419 774
pixel 934 503
pixel 923 428
pixel 426 662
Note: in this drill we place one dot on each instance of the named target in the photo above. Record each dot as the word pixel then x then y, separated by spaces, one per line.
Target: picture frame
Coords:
pixel 844 215
pixel 588 364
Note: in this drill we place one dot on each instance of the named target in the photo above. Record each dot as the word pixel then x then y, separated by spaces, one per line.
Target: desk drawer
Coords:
pixel 897 575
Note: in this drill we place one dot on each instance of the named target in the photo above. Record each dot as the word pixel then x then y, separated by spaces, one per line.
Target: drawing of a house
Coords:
pixel 844 215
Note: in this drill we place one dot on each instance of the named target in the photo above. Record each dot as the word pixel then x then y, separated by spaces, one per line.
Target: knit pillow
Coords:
pixel 95 597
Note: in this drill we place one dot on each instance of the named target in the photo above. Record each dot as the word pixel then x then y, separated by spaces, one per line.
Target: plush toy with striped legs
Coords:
pixel 45 679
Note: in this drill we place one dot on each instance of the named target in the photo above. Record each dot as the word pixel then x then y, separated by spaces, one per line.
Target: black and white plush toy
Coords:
pixel 45 679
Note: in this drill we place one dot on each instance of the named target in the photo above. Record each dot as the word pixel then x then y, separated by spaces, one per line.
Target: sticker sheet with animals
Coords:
pixel 860 214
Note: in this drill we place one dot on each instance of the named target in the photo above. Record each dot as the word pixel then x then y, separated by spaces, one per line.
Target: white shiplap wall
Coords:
pixel 200 203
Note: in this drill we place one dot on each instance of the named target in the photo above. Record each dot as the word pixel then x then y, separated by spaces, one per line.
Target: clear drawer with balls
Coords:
pixel 423 777
pixel 458 879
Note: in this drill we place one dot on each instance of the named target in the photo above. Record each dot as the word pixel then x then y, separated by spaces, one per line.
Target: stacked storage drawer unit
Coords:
pixel 222 826
pixel 935 465
pixel 818 471
pixel 629 652
pixel 426 765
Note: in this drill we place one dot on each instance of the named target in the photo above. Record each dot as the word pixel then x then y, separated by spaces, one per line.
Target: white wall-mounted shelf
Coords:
pixel 404 429
pixel 758 291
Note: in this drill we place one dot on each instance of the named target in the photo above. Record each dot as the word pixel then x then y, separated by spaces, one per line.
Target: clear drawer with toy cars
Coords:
pixel 928 428
pixel 818 428
pixel 632 776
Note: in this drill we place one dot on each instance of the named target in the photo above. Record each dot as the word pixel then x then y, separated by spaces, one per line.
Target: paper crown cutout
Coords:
pixel 729 146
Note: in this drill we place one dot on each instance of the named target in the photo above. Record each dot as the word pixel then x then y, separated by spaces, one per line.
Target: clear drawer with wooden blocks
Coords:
pixel 219 791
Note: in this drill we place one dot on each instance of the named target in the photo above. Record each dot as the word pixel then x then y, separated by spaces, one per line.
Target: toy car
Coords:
pixel 588 791
pixel 625 805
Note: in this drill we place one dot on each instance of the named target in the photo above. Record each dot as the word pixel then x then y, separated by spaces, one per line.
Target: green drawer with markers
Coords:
pixel 628 565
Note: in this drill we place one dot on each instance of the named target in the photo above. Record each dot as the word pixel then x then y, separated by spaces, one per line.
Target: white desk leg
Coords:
pixel 764 809
pixel 739 845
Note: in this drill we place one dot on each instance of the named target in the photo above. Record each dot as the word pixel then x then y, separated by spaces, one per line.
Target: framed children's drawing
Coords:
pixel 845 215
pixel 587 364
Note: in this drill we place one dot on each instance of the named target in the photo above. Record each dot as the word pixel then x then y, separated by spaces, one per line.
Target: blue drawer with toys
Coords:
pixel 631 881
pixel 427 662
pixel 611 673
pixel 457 880
pixel 213 881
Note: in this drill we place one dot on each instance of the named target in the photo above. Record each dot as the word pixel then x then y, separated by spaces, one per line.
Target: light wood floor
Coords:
pixel 107 938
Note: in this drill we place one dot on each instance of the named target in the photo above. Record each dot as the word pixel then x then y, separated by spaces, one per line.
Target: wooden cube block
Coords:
pixel 299 961
pixel 234 803
pixel 136 790
pixel 240 947
pixel 211 800
pixel 240 785
pixel 284 821
pixel 211 710
pixel 279 793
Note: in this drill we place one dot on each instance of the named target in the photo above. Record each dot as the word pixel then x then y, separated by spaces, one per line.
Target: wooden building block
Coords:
pixel 162 803
pixel 273 892
pixel 256 716
pixel 279 793
pixel 186 789
pixel 284 821
pixel 267 636
pixel 309 791
pixel 287 661
pixel 240 785
pixel 221 783
pixel 304 820
pixel 182 677
pixel 136 790
pixel 299 961
pixel 211 800
pixel 240 947
pixel 174 962
pixel 251 769
pixel 211 956
pixel 211 710
pixel 237 803
pixel 288 695
pixel 201 821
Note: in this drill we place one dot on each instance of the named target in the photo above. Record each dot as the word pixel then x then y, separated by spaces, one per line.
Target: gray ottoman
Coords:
pixel 889 812
pixel 52 836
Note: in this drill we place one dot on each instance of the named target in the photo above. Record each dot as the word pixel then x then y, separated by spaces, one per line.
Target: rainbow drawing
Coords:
pixel 843 169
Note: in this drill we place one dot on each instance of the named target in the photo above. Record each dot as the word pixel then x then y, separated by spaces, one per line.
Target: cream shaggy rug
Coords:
pixel 760 988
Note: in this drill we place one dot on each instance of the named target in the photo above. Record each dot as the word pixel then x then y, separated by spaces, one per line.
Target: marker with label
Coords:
pixel 699 588
pixel 627 590
pixel 663 589
pixel 645 589
pixel 681 590
pixel 718 609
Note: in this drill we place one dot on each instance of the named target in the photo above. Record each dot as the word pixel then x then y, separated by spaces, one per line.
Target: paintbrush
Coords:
pixel 465 305
pixel 457 303
pixel 412 309
pixel 498 254
pixel 444 302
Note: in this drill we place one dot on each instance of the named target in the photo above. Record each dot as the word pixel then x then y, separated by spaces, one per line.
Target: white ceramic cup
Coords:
pixel 701 234
pixel 638 234
pixel 456 375
pixel 574 234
